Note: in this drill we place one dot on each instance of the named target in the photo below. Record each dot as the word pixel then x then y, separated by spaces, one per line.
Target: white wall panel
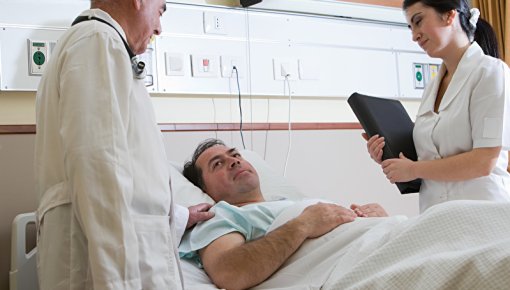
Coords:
pixel 211 46
pixel 338 55
pixel 319 30
pixel 406 62
pixel 14 56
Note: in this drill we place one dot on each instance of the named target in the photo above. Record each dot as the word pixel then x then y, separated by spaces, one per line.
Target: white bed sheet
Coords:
pixel 454 245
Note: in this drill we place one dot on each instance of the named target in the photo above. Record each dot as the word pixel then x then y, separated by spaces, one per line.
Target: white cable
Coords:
pixel 267 131
pixel 289 124
pixel 248 70
pixel 214 116
pixel 240 107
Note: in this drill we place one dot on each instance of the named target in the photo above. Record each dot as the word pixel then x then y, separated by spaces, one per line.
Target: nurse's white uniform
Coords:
pixel 474 113
pixel 101 170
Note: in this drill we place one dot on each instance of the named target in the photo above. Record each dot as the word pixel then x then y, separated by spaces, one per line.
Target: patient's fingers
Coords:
pixel 371 210
pixel 357 210
pixel 321 218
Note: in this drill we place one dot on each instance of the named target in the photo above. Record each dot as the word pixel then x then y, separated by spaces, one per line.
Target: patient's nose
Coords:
pixel 235 163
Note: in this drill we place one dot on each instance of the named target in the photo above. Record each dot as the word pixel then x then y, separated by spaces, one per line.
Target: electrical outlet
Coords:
pixel 214 23
pixel 285 67
pixel 227 66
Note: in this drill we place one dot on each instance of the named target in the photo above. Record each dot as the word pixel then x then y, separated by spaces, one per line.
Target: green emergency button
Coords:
pixel 419 76
pixel 39 58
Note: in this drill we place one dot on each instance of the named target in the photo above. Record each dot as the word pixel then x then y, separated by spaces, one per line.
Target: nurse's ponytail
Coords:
pixel 479 30
pixel 485 36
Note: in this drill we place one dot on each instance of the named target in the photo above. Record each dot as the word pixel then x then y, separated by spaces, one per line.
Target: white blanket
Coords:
pixel 454 245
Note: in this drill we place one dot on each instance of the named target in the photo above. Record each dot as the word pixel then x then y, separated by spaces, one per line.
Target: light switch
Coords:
pixel 433 71
pixel 308 69
pixel 174 64
pixel 205 66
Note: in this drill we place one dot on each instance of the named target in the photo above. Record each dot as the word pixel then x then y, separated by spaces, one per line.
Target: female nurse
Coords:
pixel 462 129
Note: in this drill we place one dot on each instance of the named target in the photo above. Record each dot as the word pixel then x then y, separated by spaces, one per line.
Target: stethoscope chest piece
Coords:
pixel 138 68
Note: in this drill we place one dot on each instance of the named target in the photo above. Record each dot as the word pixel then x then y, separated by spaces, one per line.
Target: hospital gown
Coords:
pixel 252 221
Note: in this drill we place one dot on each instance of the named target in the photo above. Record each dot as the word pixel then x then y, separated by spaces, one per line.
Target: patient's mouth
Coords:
pixel 239 173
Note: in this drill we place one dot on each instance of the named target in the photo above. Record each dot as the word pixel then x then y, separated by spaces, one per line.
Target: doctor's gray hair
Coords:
pixel 191 171
pixel 483 33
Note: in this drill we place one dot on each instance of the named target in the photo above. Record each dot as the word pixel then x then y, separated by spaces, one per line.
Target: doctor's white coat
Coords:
pixel 101 170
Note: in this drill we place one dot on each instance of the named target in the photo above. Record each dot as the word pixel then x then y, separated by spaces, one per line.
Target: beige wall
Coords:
pixel 17 108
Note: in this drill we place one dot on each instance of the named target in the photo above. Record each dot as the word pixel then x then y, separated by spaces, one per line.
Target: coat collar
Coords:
pixel 96 12
pixel 468 61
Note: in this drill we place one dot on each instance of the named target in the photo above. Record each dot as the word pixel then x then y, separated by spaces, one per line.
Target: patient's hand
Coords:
pixel 369 210
pixel 321 218
pixel 199 213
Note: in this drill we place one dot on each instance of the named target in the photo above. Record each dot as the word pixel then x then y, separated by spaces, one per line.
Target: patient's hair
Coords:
pixel 191 171
pixel 483 33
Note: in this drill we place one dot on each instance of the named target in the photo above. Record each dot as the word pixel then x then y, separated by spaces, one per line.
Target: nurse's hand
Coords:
pixel 375 144
pixel 399 169
pixel 199 213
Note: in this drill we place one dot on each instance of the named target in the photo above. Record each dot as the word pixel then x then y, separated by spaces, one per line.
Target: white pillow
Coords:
pixel 272 184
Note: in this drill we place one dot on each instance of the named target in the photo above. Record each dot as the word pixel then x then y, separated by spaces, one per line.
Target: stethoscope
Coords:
pixel 137 66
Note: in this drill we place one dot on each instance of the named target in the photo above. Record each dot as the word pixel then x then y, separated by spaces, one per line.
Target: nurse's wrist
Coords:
pixel 415 169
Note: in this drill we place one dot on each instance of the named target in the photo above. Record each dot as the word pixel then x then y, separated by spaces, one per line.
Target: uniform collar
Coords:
pixel 96 12
pixel 469 60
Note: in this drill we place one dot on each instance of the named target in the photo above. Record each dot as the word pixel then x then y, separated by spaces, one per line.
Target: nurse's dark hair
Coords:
pixel 483 34
pixel 191 171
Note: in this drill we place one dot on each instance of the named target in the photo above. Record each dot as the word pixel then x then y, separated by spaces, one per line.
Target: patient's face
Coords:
pixel 227 176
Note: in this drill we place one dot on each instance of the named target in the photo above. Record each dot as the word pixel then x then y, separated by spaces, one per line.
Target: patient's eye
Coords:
pixel 216 164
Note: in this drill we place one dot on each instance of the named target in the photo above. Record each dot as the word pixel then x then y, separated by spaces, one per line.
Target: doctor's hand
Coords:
pixel 199 213
pixel 375 144
pixel 399 169
pixel 369 210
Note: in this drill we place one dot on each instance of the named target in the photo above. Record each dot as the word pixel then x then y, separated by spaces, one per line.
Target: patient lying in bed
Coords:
pixel 455 245
pixel 242 215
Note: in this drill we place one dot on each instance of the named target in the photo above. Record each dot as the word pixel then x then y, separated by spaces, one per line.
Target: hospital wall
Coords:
pixel 332 49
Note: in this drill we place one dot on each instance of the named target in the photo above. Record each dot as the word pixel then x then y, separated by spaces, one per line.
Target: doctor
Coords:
pixel 462 130
pixel 106 218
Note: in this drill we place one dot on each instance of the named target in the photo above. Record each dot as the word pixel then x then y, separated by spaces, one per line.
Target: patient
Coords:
pixel 234 243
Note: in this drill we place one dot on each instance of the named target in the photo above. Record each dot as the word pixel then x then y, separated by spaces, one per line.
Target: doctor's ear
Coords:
pixel 137 4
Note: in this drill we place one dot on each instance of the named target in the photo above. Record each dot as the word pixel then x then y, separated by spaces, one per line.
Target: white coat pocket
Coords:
pixel 158 266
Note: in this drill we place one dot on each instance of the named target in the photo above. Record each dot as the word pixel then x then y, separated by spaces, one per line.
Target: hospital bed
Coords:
pixel 23 274
pixel 454 245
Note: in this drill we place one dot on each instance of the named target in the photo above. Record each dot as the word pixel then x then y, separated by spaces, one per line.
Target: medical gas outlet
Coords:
pixel 38 56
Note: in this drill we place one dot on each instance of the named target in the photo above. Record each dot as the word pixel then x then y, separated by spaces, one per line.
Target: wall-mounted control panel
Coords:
pixel 38 53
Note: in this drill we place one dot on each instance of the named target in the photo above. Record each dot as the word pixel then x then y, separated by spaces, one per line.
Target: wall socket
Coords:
pixel 214 23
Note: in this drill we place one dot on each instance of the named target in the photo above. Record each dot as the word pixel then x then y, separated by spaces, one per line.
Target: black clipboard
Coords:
pixel 388 118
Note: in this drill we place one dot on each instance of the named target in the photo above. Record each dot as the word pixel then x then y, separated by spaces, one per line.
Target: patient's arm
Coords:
pixel 232 263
